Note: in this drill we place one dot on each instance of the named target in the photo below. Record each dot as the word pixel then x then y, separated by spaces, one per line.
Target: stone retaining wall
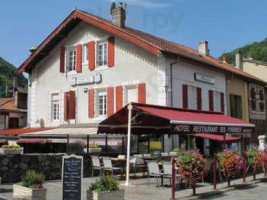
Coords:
pixel 13 167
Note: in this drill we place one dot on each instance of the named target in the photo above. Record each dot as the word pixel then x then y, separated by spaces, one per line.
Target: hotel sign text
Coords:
pixel 204 78
pixel 97 78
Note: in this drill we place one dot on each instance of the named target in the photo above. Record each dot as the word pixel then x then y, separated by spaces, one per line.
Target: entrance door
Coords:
pixel 13 122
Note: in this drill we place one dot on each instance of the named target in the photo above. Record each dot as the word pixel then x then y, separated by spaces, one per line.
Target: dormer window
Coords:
pixel 102 53
pixel 71 60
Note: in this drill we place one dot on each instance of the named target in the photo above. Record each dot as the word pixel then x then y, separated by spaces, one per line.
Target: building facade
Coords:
pixel 89 68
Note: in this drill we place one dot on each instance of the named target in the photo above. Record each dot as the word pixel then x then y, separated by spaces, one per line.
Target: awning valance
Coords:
pixel 154 119
pixel 33 141
pixel 220 138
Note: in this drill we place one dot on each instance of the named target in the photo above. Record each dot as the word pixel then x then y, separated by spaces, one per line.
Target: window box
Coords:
pixel 113 195
pixel 20 192
pixel 9 151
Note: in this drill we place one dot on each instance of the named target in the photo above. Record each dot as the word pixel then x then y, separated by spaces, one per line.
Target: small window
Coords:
pixel 102 103
pixel 55 107
pixel 217 101
pixel 85 54
pixel 71 60
pixel 102 54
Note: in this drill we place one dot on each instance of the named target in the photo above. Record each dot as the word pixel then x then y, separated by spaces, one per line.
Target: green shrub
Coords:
pixel 32 179
pixel 105 183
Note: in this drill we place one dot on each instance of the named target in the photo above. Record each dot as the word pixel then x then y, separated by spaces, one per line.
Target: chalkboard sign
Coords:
pixel 72 175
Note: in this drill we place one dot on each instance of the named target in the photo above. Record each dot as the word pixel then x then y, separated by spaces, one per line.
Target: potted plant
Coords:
pixel 30 187
pixel 256 160
pixel 11 149
pixel 230 164
pixel 93 148
pixel 106 187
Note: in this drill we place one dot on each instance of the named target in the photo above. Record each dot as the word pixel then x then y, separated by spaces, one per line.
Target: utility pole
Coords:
pixel 6 90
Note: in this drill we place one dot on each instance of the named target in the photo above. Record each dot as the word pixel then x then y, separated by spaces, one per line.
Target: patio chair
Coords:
pixel 137 162
pixel 146 155
pixel 121 157
pixel 138 155
pixel 96 165
pixel 167 171
pixel 153 171
pixel 108 166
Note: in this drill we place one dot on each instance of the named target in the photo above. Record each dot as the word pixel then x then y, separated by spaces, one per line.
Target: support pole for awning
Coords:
pixel 130 107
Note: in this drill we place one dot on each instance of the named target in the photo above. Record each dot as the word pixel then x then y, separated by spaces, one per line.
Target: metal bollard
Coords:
pixel 173 179
pixel 244 166
pixel 214 172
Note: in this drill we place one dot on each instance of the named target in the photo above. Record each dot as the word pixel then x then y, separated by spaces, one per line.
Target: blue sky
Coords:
pixel 226 24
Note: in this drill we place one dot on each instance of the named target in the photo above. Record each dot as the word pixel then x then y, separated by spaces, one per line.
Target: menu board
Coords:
pixel 72 175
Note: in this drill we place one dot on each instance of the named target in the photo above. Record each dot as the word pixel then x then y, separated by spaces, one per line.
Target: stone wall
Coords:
pixel 13 167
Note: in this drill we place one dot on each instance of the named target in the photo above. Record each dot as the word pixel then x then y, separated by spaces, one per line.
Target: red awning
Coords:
pixel 20 131
pixel 152 119
pixel 219 138
pixel 33 140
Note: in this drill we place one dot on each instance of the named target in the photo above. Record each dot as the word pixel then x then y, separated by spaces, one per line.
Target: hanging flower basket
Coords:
pixel 256 159
pixel 230 163
pixel 192 166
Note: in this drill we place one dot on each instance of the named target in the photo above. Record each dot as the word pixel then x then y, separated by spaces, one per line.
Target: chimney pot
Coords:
pixel 203 48
pixel 224 58
pixel 239 60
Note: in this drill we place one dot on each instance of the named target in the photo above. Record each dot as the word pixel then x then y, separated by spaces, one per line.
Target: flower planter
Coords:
pixel 8 151
pixel 113 195
pixel 93 150
pixel 20 192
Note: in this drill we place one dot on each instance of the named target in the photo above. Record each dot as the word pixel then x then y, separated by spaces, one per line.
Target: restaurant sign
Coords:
pixel 189 129
pixel 204 78
pixel 97 78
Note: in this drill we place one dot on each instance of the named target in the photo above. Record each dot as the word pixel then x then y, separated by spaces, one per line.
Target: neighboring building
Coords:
pixel 13 111
pixel 89 67
pixel 257 94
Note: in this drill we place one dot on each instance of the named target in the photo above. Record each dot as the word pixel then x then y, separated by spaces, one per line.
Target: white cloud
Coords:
pixel 145 3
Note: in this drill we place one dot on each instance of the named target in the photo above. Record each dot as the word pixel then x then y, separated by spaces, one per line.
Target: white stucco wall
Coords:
pixel 133 65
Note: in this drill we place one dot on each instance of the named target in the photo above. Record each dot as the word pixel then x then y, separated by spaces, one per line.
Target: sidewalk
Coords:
pixel 251 190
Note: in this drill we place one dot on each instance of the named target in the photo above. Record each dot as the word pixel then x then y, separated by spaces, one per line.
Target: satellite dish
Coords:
pixel 112 7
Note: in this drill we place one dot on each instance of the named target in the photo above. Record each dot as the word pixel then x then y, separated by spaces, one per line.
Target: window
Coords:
pixel 102 103
pixel 55 107
pixel 102 54
pixel 257 98
pixel 85 54
pixel 217 101
pixel 192 97
pixel 236 106
pixel 71 60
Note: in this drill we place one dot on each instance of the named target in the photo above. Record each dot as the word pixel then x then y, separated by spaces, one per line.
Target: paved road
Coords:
pixel 252 190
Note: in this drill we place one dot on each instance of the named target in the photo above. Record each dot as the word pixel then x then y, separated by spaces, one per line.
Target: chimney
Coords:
pixel 224 58
pixel 203 47
pixel 118 14
pixel 239 60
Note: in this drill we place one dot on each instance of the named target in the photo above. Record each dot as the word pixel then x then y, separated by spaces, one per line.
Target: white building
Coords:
pixel 88 68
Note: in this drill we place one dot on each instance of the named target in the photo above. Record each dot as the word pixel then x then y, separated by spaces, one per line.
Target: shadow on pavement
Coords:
pixel 6 191
pixel 212 194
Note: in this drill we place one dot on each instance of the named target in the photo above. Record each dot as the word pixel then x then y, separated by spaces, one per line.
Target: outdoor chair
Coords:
pixel 121 157
pixel 138 155
pixel 153 171
pixel 167 171
pixel 96 165
pixel 146 155
pixel 137 162
pixel 108 166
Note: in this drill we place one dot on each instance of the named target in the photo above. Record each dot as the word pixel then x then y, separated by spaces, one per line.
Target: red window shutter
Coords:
pixel 72 105
pixel 142 93
pixel 111 52
pixel 91 99
pixel 110 101
pixel 91 50
pixel 62 59
pixel 199 99
pixel 185 96
pixel 222 102
pixel 119 97
pixel 66 106
pixel 211 101
pixel 79 58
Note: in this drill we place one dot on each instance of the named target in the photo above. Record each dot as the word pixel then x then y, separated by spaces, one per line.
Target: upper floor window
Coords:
pixel 102 103
pixel 217 101
pixel 257 99
pixel 85 54
pixel 102 54
pixel 192 97
pixel 71 60
pixel 130 94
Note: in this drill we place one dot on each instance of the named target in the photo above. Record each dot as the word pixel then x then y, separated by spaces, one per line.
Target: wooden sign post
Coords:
pixel 72 176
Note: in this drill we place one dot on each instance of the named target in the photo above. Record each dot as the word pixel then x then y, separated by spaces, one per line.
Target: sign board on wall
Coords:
pixel 97 78
pixel 72 176
pixel 204 78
